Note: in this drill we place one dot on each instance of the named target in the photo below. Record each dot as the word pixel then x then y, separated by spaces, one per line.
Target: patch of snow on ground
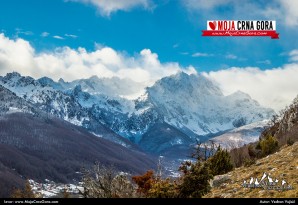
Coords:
pixel 97 135
pixel 14 110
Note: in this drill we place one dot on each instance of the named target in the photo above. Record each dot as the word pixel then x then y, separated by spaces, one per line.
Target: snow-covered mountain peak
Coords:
pixel 11 78
pixel 240 94
pixel 94 78
pixel 241 99
pixel 61 80
pixel 109 86
pixel 48 82
pixel 192 85
pixel 19 84
pixel 195 103
pixel 44 81
pixel 12 75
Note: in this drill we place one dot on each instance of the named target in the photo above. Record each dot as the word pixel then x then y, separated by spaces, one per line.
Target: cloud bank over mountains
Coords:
pixel 273 88
pixel 71 64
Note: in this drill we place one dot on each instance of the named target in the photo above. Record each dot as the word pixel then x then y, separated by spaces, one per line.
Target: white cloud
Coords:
pixel 230 56
pixel 184 53
pixel 26 33
pixel 203 4
pixel 294 55
pixel 106 7
pixel 176 45
pixel 70 64
pixel 44 34
pixel 71 35
pixel 289 11
pixel 266 62
pixel 198 54
pixel 282 10
pixel 15 55
pixel 274 88
pixel 58 37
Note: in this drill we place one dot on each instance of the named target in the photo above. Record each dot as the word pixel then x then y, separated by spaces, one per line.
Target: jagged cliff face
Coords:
pixel 285 126
pixel 289 118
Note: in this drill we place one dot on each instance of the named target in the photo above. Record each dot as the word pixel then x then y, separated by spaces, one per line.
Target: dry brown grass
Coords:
pixel 281 165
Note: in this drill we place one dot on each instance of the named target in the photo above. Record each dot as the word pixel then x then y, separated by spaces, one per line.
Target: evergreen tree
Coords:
pixel 195 182
pixel 268 145
pixel 220 163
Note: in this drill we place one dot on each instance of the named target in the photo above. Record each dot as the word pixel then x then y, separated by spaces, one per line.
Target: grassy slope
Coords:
pixel 281 165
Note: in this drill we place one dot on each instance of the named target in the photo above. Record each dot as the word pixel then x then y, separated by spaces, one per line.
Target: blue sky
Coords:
pixel 148 39
pixel 168 28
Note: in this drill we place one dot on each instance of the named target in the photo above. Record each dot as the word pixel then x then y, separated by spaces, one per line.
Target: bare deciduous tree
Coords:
pixel 105 182
pixel 204 150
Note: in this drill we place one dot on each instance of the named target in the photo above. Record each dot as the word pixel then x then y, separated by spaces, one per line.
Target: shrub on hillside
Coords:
pixel 268 145
pixel 220 163
pixel 195 181
pixel 290 141
pixel 163 188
